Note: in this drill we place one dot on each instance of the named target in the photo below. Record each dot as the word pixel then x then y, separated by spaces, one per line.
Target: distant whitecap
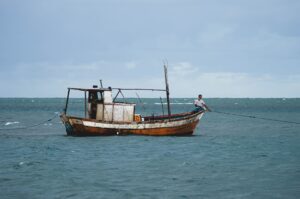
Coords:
pixel 11 123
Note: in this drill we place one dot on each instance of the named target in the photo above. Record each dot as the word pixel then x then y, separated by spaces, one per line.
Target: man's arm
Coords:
pixel 207 108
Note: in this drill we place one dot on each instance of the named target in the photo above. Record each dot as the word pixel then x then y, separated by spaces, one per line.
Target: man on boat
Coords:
pixel 200 105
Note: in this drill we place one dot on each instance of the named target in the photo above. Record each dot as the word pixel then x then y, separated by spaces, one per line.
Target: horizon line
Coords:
pixel 158 97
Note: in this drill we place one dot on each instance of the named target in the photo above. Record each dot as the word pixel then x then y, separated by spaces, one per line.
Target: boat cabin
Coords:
pixel 99 105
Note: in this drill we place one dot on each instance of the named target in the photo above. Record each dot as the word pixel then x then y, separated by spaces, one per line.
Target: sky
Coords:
pixel 219 48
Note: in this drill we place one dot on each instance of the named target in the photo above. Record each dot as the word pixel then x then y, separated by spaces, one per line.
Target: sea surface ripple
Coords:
pixel 228 157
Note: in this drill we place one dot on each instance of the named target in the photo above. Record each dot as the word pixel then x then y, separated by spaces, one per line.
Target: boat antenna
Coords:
pixel 167 89
pixel 101 85
pixel 162 106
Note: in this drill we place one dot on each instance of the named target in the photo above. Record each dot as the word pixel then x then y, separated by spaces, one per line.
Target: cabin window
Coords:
pixel 95 97
pixel 92 97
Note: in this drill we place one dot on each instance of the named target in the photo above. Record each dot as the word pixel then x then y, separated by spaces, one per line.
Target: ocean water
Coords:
pixel 228 156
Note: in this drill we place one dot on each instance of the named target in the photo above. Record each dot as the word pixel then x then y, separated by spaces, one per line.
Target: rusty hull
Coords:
pixel 87 127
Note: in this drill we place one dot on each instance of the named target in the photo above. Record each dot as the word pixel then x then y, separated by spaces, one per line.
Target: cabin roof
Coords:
pixel 91 89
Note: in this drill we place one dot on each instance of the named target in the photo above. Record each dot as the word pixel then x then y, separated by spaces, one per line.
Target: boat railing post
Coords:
pixel 67 102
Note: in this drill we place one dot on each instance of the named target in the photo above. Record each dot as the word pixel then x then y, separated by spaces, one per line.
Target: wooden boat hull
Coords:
pixel 167 127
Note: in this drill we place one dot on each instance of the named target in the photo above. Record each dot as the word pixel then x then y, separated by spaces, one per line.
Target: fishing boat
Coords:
pixel 104 116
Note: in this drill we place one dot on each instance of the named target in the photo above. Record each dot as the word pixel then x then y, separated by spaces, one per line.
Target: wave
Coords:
pixel 10 123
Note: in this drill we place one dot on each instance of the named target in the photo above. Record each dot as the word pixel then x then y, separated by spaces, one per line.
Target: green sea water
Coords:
pixel 228 156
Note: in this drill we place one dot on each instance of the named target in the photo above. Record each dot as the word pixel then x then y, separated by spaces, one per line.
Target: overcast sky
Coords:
pixel 220 48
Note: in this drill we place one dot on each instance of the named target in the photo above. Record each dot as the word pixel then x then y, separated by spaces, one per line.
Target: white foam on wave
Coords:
pixel 11 123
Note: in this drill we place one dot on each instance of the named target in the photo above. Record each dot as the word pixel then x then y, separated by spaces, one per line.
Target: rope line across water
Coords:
pixel 255 117
pixel 31 126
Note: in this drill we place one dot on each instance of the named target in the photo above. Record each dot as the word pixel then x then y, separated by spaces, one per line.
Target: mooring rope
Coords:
pixel 31 126
pixel 255 117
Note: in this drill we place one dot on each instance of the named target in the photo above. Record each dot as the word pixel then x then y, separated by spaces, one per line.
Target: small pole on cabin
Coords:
pixel 101 94
pixel 67 101
pixel 162 106
pixel 167 90
pixel 85 104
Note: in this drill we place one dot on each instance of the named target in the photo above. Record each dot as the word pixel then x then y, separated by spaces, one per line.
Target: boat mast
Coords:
pixel 67 101
pixel 167 90
pixel 85 104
